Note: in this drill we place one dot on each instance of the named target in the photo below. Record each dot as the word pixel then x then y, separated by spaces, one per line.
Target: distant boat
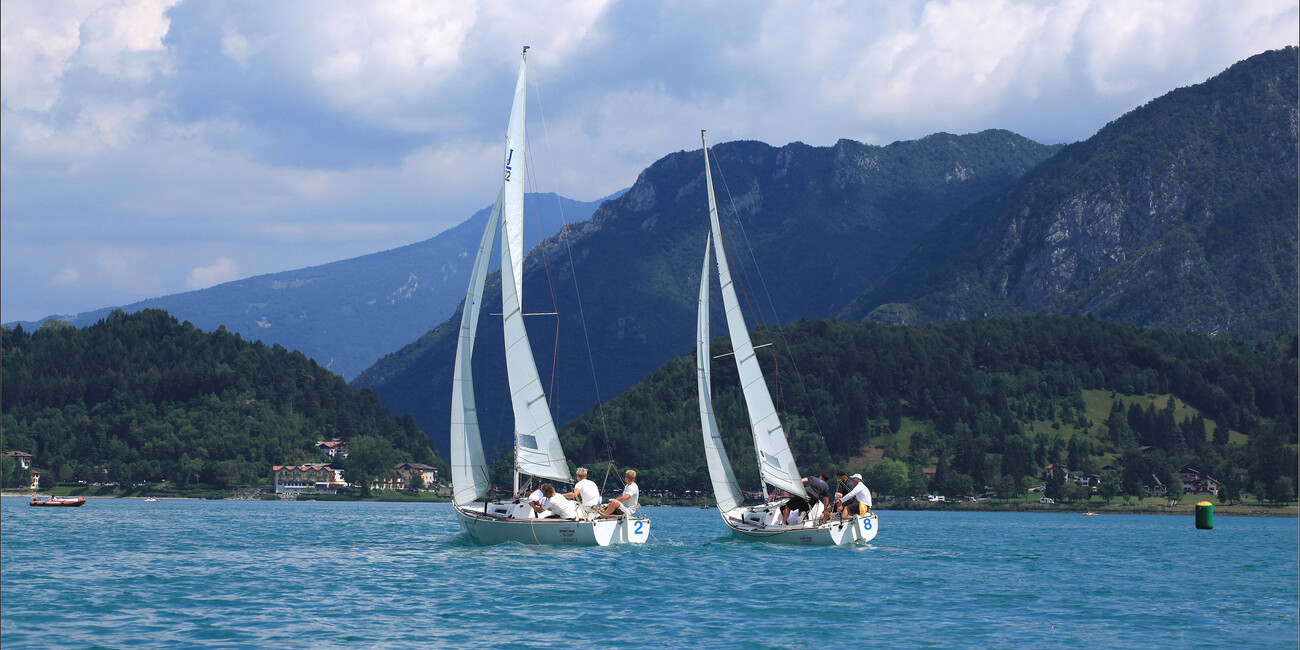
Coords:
pixel 58 502
pixel 1090 514
pixel 151 500
pixel 776 464
pixel 537 445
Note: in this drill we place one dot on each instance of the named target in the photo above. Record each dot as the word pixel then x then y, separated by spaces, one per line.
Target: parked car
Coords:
pixel 969 499
pixel 1040 488
pixel 1046 500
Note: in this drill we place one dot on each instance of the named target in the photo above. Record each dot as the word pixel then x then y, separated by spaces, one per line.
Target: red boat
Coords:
pixel 58 502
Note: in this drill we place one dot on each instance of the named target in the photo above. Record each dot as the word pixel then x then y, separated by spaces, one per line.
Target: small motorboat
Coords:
pixel 63 502
pixel 151 499
pixel 1090 514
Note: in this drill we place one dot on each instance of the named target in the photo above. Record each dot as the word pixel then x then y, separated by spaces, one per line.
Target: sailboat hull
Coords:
pixel 753 524
pixel 486 528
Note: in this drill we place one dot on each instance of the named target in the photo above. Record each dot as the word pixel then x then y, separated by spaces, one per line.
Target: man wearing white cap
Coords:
pixel 858 500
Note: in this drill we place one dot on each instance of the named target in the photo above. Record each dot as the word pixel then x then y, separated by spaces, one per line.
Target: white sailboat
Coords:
pixel 775 461
pixel 537 445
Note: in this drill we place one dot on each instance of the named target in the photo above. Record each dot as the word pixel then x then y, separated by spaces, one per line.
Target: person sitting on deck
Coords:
pixel 857 501
pixel 817 492
pixel 623 504
pixel 554 502
pixel 584 491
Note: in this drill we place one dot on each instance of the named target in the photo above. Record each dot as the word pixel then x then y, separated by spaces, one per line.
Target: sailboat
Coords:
pixel 775 460
pixel 537 445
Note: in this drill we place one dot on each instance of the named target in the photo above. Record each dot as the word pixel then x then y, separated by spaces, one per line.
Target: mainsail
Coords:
pixel 725 488
pixel 537 446
pixel 775 461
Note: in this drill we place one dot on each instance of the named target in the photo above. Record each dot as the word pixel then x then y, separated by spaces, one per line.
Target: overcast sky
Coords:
pixel 157 146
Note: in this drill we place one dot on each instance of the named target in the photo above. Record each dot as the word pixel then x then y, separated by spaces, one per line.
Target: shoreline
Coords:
pixel 1185 510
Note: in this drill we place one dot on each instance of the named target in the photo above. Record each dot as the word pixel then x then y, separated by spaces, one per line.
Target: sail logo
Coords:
pixel 509 156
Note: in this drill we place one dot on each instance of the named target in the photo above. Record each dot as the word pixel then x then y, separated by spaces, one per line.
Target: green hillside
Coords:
pixel 983 402
pixel 143 397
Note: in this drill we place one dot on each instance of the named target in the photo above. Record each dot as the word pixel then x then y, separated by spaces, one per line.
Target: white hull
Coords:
pixel 515 522
pixel 758 523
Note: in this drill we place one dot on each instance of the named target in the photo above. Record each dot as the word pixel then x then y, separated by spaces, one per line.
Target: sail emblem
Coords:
pixel 509 156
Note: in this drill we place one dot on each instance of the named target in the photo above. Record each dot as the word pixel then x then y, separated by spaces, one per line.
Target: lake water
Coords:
pixel 125 573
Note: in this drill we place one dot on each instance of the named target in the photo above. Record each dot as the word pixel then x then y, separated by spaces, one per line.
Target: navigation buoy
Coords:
pixel 1205 515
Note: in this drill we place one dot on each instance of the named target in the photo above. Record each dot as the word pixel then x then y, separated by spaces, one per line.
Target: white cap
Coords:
pixel 857 476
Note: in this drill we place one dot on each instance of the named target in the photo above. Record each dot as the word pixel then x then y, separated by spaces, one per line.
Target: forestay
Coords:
pixel 725 488
pixel 775 461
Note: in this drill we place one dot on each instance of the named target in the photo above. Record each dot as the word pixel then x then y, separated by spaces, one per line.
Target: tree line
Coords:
pixel 144 398
pixel 983 402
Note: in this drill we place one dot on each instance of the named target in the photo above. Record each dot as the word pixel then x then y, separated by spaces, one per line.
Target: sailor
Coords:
pixel 625 503
pixel 857 501
pixel 817 492
pixel 585 491
pixel 554 502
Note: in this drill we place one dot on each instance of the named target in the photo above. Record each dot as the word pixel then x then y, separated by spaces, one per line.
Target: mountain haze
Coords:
pixel 823 223
pixel 347 314
pixel 1180 214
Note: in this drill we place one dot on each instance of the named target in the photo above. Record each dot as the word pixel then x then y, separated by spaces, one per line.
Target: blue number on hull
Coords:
pixel 866 524
pixel 637 530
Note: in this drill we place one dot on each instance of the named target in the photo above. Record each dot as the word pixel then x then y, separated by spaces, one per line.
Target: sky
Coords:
pixel 151 147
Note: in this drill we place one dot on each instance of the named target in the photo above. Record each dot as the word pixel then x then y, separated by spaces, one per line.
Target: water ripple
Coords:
pixel 123 573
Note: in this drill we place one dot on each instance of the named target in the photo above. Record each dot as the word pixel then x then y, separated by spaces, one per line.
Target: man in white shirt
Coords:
pixel 585 491
pixel 556 503
pixel 624 503
pixel 852 503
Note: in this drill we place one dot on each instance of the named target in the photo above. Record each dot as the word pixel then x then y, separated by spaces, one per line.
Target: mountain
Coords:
pixel 347 314
pixel 144 397
pixel 1182 214
pixel 990 400
pixel 822 223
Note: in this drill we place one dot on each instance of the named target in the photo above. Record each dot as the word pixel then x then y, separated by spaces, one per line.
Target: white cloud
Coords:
pixel 223 270
pixel 67 276
pixel 139 137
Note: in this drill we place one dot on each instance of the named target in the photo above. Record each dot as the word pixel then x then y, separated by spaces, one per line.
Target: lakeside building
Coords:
pixel 318 477
pixel 1198 482
pixel 333 448
pixel 24 460
pixel 400 477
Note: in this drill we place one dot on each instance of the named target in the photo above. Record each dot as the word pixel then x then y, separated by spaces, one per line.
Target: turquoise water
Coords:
pixel 124 573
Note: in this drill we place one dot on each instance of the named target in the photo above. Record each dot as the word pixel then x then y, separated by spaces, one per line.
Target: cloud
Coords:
pixel 140 136
pixel 223 270
pixel 66 276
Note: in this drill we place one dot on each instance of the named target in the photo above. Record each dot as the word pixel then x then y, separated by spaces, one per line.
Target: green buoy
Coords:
pixel 1205 515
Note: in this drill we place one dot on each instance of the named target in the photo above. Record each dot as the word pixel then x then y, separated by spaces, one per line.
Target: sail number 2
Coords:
pixel 636 530
pixel 509 155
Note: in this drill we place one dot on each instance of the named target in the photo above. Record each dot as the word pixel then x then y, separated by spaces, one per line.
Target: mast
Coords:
pixel 537 445
pixel 775 460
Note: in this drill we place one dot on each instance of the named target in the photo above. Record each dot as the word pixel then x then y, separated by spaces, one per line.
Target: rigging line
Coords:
pixel 779 329
pixel 568 247
pixel 529 175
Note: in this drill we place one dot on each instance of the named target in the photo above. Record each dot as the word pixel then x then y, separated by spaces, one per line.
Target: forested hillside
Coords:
pixel 143 397
pixel 983 402
pixel 1180 214
pixel 822 223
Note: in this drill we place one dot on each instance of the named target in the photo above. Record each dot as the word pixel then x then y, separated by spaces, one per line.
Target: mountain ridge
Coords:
pixel 822 221
pixel 1180 213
